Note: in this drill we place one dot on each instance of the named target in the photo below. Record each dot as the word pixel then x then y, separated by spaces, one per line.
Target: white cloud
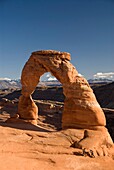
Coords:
pixel 109 75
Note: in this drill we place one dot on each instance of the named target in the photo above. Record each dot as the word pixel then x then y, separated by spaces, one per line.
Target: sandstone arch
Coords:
pixel 81 109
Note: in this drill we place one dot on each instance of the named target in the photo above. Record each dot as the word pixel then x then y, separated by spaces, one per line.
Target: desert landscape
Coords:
pixel 57 85
pixel 48 144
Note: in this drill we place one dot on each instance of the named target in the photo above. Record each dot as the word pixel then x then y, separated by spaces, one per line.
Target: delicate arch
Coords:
pixel 81 110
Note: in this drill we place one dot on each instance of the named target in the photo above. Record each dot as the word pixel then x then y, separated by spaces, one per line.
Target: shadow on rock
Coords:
pixel 24 126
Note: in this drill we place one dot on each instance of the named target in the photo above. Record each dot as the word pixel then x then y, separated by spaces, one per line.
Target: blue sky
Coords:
pixel 85 28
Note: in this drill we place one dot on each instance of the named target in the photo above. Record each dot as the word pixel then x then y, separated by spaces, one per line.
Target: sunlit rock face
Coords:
pixel 81 109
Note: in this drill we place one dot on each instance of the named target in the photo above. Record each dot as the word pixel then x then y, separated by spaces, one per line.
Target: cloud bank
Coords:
pixel 109 75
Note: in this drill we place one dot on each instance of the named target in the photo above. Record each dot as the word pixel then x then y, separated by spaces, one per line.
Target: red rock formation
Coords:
pixel 81 109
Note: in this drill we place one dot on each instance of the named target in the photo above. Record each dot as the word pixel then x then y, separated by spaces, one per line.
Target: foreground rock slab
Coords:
pixel 29 147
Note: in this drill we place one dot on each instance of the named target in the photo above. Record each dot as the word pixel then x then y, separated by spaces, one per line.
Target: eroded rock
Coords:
pixel 81 109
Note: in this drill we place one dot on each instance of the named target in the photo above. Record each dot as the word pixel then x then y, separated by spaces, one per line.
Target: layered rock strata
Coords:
pixel 81 109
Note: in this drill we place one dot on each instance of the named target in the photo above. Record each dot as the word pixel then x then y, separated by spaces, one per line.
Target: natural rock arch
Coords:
pixel 81 109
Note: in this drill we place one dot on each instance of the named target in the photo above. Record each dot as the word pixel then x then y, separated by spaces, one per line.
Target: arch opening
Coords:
pixel 49 99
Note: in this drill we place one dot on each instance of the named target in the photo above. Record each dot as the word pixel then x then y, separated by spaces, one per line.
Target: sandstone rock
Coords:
pixel 81 109
pixel 27 109
pixel 95 142
pixel 32 148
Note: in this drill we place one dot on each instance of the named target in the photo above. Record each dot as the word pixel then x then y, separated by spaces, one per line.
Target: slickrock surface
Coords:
pixel 27 147
pixel 44 147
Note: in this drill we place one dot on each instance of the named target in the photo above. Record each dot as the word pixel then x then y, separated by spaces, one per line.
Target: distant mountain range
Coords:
pixel 99 81
pixel 6 83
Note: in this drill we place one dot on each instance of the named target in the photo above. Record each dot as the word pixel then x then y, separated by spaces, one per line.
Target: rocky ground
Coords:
pixel 46 146
pixel 25 147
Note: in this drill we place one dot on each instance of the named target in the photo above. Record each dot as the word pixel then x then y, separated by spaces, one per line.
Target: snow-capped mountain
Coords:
pixel 46 80
pixel 101 78
pixel 49 80
pixel 47 77
pixel 7 79
pixel 6 83
pixel 99 81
